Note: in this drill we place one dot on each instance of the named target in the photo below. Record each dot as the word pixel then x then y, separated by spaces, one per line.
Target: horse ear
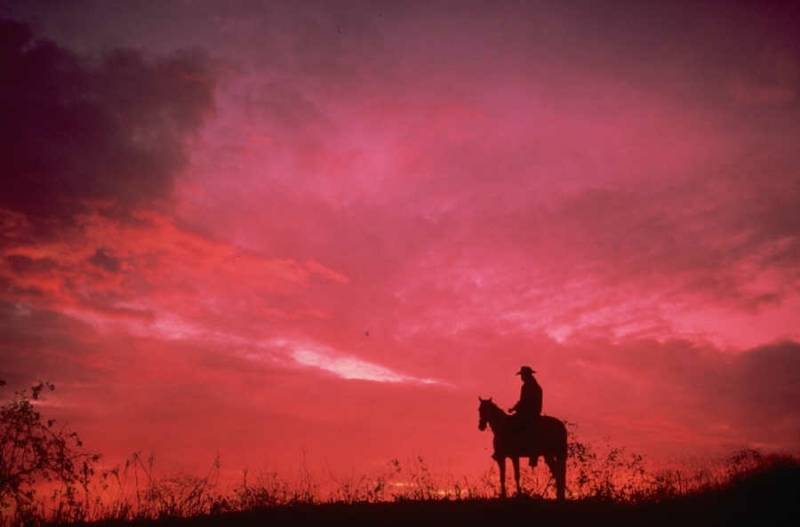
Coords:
pixel 479 399
pixel 489 399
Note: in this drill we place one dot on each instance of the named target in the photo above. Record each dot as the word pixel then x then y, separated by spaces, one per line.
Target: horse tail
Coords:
pixel 561 478
pixel 561 464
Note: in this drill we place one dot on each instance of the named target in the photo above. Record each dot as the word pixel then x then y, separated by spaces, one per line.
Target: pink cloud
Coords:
pixel 389 210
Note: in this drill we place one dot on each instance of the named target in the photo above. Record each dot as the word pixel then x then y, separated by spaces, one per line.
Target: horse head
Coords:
pixel 484 412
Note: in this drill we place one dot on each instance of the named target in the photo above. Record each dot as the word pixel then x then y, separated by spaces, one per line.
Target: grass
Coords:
pixel 749 489
pixel 769 495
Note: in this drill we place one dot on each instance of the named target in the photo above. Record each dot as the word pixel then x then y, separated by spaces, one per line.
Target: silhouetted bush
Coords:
pixel 38 456
pixel 610 474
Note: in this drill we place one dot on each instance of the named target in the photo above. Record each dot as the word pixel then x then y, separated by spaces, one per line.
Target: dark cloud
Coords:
pixel 768 378
pixel 41 344
pixel 21 264
pixel 78 134
pixel 742 398
pixel 103 259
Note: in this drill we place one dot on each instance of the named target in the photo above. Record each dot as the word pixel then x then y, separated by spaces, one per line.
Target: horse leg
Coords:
pixel 558 468
pixel 515 463
pixel 561 477
pixel 551 462
pixel 501 463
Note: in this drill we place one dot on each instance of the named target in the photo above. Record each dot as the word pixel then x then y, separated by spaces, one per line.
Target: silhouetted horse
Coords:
pixel 550 441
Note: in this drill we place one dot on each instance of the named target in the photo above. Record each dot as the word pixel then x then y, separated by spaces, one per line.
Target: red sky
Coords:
pixel 272 230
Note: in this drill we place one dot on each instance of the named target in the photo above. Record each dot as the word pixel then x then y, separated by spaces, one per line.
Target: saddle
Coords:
pixel 526 426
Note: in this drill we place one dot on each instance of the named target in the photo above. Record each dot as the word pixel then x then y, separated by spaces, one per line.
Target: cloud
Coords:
pixel 349 367
pixel 79 134
pixel 668 399
pixel 149 269
pixel 104 260
pixel 768 382
pixel 479 187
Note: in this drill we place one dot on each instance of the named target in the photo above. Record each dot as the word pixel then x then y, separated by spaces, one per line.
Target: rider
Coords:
pixel 527 411
pixel 529 407
pixel 525 414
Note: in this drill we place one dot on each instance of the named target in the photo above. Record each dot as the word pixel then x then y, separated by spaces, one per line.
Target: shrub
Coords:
pixel 37 455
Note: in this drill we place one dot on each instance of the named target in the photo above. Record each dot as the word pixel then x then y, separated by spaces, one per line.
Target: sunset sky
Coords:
pixel 321 230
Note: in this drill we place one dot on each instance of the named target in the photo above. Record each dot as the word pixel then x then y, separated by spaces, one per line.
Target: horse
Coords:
pixel 550 441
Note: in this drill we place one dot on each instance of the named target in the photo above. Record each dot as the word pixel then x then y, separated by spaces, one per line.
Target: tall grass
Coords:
pixel 134 490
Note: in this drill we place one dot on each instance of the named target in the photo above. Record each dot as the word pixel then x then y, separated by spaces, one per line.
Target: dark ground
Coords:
pixel 759 499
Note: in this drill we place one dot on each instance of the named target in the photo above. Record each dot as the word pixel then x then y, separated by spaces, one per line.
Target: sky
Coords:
pixel 319 231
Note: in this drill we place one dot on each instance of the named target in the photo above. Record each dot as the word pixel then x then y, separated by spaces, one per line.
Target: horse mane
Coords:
pixel 495 408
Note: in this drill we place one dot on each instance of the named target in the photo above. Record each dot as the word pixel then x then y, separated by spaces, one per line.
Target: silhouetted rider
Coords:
pixel 527 411
pixel 525 414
